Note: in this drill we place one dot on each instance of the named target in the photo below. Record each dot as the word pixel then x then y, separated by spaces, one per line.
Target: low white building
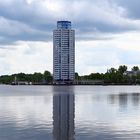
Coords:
pixel 132 73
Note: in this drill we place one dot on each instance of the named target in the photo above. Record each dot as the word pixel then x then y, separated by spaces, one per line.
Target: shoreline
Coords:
pixel 73 84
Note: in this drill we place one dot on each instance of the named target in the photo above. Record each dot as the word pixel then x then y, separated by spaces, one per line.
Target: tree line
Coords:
pixel 112 76
pixel 35 78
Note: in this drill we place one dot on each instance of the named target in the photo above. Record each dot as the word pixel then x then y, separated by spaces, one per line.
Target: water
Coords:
pixel 69 112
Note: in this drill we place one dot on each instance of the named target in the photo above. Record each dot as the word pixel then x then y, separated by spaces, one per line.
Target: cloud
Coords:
pixel 12 31
pixel 98 56
pixel 91 56
pixel 28 57
pixel 107 33
pixel 33 20
pixel 132 8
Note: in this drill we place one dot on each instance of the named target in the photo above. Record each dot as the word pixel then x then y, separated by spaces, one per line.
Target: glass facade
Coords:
pixel 63 25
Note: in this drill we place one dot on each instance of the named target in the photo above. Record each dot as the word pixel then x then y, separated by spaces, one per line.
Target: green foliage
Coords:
pixel 95 76
pixel 112 70
pixel 77 77
pixel 114 76
pixel 36 78
pixel 47 76
pixel 122 69
pixel 135 68
pixel 6 79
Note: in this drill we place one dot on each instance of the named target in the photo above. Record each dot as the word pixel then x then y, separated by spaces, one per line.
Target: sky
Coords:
pixel 107 34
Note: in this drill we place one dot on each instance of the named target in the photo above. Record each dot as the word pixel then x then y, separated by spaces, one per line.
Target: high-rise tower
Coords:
pixel 63 52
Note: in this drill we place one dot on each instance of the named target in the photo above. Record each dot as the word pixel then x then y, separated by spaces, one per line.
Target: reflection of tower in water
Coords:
pixel 63 116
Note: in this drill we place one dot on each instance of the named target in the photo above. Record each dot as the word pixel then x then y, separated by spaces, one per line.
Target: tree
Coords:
pixel 112 70
pixel 37 77
pixel 47 76
pixel 6 79
pixel 95 76
pixel 76 76
pixel 135 68
pixel 122 69
pixel 21 76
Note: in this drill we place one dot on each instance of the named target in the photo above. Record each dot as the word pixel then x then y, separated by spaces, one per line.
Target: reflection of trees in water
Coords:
pixel 63 116
pixel 112 98
pixel 136 99
pixel 123 98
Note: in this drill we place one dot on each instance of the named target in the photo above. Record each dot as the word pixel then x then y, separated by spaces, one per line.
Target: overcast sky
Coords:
pixel 107 34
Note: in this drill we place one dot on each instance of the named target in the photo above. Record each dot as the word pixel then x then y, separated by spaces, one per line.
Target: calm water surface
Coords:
pixel 69 112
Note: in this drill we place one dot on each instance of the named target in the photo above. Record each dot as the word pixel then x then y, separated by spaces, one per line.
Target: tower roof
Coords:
pixel 63 24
